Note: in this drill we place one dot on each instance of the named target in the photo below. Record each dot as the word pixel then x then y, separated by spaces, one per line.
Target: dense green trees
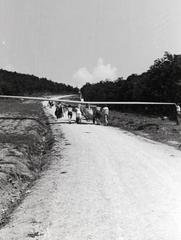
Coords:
pixel 161 83
pixel 165 79
pixel 12 83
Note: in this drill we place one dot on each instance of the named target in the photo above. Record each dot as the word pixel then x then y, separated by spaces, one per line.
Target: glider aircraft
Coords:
pixel 86 106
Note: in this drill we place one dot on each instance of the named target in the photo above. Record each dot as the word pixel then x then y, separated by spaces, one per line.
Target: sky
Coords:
pixel 79 41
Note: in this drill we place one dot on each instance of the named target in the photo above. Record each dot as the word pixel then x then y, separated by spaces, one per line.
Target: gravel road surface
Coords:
pixel 102 184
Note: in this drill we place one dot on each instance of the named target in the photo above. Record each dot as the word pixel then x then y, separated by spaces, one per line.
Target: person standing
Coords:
pixel 70 113
pixel 178 113
pixel 105 113
pixel 78 115
pixel 50 104
pixel 94 116
pixel 97 114
pixel 59 110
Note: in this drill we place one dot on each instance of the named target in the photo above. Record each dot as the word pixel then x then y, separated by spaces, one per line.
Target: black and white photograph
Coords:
pixel 90 120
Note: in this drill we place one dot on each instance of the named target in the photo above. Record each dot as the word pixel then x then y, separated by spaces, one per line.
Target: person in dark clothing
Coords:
pixel 94 116
pixel 70 113
pixel 50 103
pixel 97 114
pixel 59 111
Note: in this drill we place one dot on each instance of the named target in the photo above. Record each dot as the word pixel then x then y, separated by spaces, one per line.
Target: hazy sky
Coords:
pixel 79 41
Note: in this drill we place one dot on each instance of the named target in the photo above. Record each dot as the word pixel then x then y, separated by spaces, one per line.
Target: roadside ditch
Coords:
pixel 25 139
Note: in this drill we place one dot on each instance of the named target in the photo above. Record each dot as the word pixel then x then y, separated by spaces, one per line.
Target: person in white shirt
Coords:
pixel 78 115
pixel 105 113
pixel 177 113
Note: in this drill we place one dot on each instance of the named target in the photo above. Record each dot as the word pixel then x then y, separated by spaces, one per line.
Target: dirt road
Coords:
pixel 102 184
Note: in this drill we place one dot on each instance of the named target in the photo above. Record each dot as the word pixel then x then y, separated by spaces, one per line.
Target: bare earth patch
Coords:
pixel 24 138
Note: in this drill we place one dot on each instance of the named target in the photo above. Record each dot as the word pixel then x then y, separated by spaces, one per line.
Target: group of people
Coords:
pixel 60 110
pixel 97 112
pixel 78 114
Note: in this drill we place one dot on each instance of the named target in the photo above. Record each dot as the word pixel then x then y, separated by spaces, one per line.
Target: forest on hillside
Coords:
pixel 13 83
pixel 161 83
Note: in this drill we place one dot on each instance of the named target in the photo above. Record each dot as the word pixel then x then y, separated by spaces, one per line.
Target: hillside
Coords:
pixel 13 83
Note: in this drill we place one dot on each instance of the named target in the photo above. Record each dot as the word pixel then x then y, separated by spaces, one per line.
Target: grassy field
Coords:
pixel 24 139
pixel 155 128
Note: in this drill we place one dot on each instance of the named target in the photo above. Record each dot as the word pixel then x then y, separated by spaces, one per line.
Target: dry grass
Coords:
pixel 155 128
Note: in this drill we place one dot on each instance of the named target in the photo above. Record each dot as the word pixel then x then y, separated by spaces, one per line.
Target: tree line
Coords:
pixel 161 83
pixel 13 83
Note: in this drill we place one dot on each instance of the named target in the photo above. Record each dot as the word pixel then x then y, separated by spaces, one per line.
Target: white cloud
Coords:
pixel 100 72
pixel 81 77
